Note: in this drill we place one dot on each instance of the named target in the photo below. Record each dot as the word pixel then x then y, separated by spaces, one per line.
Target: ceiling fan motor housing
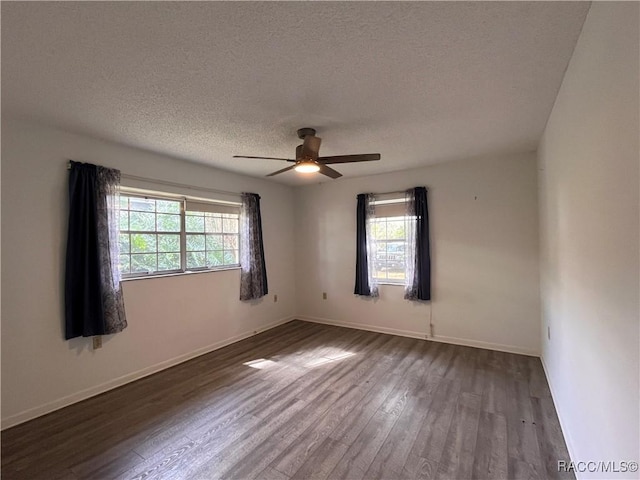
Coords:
pixel 303 132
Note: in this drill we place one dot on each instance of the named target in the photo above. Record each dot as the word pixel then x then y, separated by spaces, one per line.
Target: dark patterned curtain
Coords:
pixel 366 284
pixel 418 268
pixel 93 298
pixel 253 275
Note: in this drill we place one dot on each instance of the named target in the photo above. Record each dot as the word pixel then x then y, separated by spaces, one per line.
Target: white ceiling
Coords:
pixel 418 82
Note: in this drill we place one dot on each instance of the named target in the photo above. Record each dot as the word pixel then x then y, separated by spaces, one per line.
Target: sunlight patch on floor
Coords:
pixel 260 363
pixel 324 360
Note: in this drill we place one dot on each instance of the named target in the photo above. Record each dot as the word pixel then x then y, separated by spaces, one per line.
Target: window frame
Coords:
pixel 390 202
pixel 182 199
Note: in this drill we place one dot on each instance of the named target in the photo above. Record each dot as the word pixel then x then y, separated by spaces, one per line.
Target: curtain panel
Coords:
pixel 253 275
pixel 93 297
pixel 418 257
pixel 366 285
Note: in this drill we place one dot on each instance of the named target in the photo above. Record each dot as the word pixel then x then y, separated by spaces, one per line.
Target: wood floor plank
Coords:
pixel 392 456
pixel 490 457
pixel 357 459
pixel 458 453
pixel 538 386
pixel 271 473
pixel 324 459
pixel 433 433
pixel 251 464
pixel 351 427
pixel 296 455
pixel 112 468
pixel 418 468
pixel 494 397
pixel 550 440
pixel 306 401
pixel 522 443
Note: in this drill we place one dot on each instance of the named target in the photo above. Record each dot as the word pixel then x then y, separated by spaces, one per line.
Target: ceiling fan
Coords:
pixel 308 161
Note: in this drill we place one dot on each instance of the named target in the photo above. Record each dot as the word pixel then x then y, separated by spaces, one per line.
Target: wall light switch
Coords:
pixel 324 295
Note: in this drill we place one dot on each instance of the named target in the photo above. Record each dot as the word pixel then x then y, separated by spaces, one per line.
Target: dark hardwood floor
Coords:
pixel 307 401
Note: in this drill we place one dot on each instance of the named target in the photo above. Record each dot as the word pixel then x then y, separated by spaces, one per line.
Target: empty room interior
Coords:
pixel 320 240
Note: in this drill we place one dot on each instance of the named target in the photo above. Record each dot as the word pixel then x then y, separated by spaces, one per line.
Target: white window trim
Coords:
pixel 226 207
pixel 395 206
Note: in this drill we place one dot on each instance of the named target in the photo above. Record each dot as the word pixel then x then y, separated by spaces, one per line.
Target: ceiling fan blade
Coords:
pixel 365 157
pixel 329 172
pixel 311 146
pixel 282 171
pixel 265 158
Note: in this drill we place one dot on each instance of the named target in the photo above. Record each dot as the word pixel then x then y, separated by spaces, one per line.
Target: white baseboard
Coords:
pixel 49 407
pixel 499 347
pixel 423 335
pixel 563 426
pixel 369 328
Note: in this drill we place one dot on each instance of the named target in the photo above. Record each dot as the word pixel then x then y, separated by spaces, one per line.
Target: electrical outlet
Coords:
pixel 548 333
pixel 324 295
pixel 97 342
pixel 275 298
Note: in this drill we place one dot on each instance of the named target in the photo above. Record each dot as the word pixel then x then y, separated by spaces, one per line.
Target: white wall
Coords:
pixel 484 243
pixel 588 162
pixel 170 318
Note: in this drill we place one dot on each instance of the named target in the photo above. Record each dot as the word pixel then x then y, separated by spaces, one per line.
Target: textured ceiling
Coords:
pixel 418 82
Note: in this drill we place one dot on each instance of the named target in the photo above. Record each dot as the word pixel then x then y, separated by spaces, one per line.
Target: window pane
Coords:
pixel 124 243
pixel 230 225
pixel 230 242
pixel 168 206
pixel 395 256
pixel 396 275
pixel 168 243
pixel 194 223
pixel 215 257
pixel 378 229
pixel 143 263
pixel 195 242
pixel 168 261
pixel 395 229
pixel 124 203
pixel 143 243
pixel 196 260
pixel 214 242
pixel 236 257
pixel 142 221
pixel 214 224
pixel 229 258
pixel 142 204
pixel 125 263
pixel 168 223
pixel 124 220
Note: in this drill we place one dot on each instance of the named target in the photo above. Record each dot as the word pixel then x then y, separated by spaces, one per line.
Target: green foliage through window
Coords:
pixel 153 240
pixel 390 243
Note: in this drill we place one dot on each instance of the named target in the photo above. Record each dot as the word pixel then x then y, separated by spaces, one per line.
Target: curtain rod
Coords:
pixel 393 193
pixel 172 184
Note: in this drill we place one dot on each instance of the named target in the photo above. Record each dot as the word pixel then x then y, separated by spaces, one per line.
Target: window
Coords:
pixel 212 239
pixel 171 235
pixel 389 241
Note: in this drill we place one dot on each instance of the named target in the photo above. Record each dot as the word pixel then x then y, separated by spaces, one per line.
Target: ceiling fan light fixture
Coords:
pixel 308 161
pixel 307 167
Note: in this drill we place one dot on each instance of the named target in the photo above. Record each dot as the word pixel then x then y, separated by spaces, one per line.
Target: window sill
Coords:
pixel 179 274
pixel 392 284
